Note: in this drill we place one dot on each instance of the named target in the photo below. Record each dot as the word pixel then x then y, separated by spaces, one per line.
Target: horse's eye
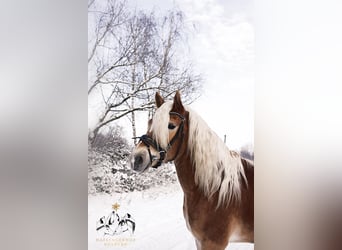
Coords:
pixel 171 126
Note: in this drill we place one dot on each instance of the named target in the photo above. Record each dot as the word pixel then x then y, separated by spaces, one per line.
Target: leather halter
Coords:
pixel 150 142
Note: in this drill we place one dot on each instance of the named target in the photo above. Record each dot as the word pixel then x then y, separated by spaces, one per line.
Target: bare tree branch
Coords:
pixel 133 54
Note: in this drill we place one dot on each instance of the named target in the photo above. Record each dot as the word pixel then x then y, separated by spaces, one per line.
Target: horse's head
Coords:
pixel 164 137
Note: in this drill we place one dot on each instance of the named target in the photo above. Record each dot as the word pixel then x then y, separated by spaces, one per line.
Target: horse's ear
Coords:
pixel 159 100
pixel 177 103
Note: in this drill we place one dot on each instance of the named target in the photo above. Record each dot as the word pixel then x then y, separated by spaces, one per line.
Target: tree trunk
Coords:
pixel 134 130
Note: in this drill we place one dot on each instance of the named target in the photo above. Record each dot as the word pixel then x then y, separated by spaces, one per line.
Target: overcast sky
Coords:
pixel 222 49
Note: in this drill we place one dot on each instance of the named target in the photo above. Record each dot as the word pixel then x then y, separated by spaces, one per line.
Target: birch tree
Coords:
pixel 133 54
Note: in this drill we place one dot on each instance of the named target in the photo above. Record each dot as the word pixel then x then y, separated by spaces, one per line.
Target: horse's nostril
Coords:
pixel 138 160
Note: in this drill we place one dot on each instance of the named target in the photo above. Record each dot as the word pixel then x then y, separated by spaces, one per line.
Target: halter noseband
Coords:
pixel 150 142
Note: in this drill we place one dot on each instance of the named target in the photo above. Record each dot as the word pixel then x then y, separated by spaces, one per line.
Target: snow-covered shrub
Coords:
pixel 106 175
pixel 112 144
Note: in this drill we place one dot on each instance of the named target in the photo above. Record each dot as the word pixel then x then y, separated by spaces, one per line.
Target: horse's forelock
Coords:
pixel 159 126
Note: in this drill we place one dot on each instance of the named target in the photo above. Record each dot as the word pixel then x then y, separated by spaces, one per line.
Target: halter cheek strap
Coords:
pixel 150 142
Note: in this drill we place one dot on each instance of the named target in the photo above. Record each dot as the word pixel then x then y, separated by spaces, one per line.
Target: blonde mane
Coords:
pixel 217 169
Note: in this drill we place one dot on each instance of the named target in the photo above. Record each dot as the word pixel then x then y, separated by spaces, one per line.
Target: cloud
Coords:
pixel 222 48
pixel 219 38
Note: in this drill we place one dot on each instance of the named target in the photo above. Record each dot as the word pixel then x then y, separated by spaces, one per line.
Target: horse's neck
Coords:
pixel 185 169
pixel 185 173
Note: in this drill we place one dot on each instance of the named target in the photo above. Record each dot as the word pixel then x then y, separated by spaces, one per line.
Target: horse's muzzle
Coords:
pixel 139 161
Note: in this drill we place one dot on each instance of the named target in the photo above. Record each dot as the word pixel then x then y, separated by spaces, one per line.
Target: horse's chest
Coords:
pixel 193 219
pixel 186 214
pixel 191 224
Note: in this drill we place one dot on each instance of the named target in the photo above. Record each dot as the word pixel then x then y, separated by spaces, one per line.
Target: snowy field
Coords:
pixel 158 216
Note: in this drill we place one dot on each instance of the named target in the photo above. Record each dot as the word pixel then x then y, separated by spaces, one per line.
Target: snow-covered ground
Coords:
pixel 158 216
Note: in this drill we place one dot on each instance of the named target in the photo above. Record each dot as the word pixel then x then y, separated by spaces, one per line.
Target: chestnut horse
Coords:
pixel 218 184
